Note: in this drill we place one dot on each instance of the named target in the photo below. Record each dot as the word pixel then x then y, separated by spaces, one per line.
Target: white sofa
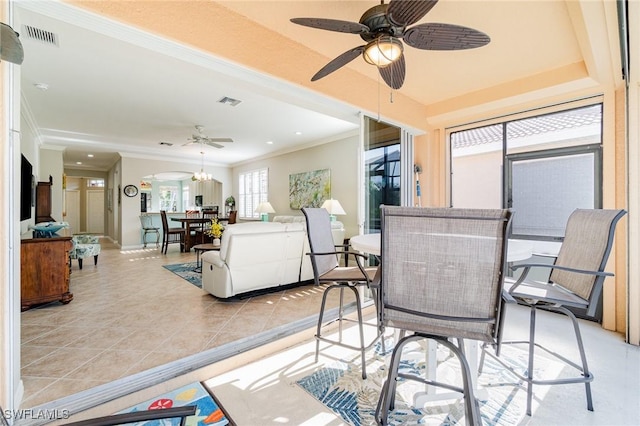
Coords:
pixel 259 255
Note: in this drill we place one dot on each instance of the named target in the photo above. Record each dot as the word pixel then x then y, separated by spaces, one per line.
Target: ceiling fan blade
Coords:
pixel 338 62
pixel 214 144
pixel 394 74
pixel 191 142
pixel 10 46
pixel 332 25
pixel 207 140
pixel 434 36
pixel 407 12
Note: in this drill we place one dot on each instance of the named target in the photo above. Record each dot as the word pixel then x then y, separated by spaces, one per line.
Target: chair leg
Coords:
pixel 583 356
pixel 95 260
pixel 362 348
pixel 532 340
pixel 471 407
pixel 80 263
pixel 386 400
pixel 321 320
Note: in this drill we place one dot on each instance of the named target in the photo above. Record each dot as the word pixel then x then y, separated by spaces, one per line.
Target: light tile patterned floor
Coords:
pixel 130 314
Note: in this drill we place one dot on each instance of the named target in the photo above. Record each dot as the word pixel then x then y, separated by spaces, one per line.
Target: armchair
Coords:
pixel 85 246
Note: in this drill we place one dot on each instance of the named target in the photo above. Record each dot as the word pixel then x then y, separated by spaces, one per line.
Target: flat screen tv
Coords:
pixel 26 189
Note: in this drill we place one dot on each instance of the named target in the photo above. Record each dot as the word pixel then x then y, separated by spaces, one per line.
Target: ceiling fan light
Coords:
pixel 383 51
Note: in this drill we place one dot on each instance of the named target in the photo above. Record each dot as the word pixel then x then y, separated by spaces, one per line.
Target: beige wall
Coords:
pixel 341 157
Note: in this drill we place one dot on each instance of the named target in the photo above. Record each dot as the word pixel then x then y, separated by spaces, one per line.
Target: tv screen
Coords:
pixel 26 189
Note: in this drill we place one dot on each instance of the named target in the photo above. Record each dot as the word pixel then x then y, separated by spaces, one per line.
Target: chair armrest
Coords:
pixel 562 268
pixel 139 416
pixel 354 253
pixel 527 267
pixel 507 297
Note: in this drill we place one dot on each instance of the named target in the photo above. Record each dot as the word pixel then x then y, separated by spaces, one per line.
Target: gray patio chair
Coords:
pixel 576 281
pixel 326 269
pixel 441 278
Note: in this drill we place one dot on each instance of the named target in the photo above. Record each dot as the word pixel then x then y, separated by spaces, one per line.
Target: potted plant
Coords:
pixel 215 231
pixel 230 204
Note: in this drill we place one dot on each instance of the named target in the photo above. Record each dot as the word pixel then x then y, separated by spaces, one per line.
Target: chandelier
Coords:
pixel 201 176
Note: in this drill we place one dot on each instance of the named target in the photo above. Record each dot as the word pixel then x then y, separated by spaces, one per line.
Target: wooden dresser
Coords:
pixel 44 269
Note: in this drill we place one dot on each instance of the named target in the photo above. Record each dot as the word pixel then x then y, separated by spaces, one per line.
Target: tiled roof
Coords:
pixel 528 127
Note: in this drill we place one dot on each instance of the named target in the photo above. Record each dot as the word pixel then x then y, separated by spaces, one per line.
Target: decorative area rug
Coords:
pixel 340 387
pixel 187 272
pixel 208 413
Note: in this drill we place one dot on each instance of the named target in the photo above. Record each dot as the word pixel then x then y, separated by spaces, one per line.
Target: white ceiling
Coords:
pixel 116 89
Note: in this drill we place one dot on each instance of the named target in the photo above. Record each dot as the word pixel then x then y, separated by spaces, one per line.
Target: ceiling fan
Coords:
pixel 203 139
pixel 383 27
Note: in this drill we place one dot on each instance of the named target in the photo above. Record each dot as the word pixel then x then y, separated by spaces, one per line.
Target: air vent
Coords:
pixel 229 101
pixel 40 35
pixel 166 143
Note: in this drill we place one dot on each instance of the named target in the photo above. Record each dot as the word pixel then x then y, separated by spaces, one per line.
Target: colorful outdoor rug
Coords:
pixel 208 411
pixel 340 387
pixel 187 271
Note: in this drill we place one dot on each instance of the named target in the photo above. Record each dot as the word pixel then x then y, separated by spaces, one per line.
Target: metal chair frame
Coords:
pixel 326 269
pixel 148 228
pixel 429 263
pixel 558 298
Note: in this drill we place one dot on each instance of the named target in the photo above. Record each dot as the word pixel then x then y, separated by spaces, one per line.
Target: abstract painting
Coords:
pixel 309 189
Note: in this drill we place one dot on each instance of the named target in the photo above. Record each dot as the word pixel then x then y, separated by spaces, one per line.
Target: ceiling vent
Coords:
pixel 166 143
pixel 37 34
pixel 229 101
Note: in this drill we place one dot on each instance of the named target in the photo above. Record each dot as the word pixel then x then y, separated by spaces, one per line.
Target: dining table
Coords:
pixel 517 250
pixel 188 224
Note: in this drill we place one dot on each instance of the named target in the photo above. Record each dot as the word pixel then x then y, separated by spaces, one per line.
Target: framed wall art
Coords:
pixel 309 189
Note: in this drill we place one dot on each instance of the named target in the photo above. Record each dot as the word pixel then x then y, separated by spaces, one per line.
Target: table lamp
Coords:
pixel 334 208
pixel 264 209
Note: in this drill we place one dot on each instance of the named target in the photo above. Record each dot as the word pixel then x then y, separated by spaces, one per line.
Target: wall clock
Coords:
pixel 130 190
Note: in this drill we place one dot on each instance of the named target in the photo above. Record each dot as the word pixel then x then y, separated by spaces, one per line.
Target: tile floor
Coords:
pixel 130 314
pixel 256 386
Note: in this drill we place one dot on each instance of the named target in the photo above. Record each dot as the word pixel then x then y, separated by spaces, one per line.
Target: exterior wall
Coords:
pixel 633 176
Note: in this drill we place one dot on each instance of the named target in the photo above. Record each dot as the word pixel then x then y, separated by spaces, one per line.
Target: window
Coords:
pixel 169 197
pixel 382 169
pixel 543 167
pixel 185 198
pixel 95 183
pixel 253 190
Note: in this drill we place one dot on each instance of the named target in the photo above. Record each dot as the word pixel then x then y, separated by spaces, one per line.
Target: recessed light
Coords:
pixel 90 155
pixel 78 162
pixel 42 86
pixel 269 142
pixel 298 132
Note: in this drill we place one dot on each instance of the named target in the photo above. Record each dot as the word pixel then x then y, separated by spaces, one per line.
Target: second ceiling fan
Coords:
pixel 383 27
pixel 201 138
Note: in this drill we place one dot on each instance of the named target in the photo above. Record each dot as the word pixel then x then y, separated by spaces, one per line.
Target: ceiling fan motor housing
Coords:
pixel 376 19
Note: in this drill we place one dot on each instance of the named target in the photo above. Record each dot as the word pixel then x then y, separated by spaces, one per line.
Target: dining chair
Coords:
pixel 576 282
pixel 233 217
pixel 441 276
pixel 326 269
pixel 148 228
pixel 171 235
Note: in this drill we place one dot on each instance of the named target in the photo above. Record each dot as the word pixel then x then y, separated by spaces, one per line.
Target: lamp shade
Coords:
pixel 265 208
pixel 333 207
